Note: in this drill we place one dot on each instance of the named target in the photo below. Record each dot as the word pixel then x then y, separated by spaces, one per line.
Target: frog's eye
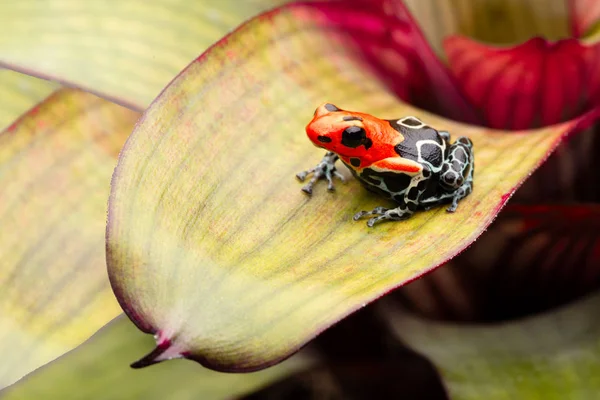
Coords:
pixel 354 136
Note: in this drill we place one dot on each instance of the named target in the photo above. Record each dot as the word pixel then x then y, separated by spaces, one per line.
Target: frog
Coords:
pixel 404 160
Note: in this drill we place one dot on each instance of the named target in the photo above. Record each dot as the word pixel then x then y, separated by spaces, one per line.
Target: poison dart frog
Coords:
pixel 404 160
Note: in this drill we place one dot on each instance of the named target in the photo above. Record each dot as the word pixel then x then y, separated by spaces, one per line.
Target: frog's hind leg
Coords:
pixel 381 213
pixel 407 204
pixel 457 171
pixel 428 204
pixel 445 135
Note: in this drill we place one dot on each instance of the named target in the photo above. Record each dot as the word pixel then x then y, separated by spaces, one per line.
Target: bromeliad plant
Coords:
pixel 210 245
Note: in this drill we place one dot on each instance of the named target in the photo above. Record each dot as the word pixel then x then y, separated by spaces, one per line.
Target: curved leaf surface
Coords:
pixel 492 21
pixel 585 15
pixel 111 48
pixel 18 93
pixel 211 244
pixel 127 50
pixel 390 40
pixel 98 370
pixel 538 77
pixel 535 83
pixel 552 356
pixel 55 168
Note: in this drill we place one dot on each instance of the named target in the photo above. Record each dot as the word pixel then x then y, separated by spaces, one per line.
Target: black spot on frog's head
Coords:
pixel 355 136
pixel 339 131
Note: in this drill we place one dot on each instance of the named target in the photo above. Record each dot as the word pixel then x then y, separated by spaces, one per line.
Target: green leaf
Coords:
pixel 552 356
pixel 55 168
pixel 98 370
pixel 211 244
pixel 128 50
pixel 18 93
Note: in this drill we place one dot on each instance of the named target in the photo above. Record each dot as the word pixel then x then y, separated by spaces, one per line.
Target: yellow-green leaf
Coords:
pixel 18 93
pixel 552 356
pixel 55 168
pixel 127 50
pixel 213 247
pixel 494 21
pixel 98 370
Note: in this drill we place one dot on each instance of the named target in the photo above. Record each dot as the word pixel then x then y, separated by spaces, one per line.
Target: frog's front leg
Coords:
pixel 457 171
pixel 324 170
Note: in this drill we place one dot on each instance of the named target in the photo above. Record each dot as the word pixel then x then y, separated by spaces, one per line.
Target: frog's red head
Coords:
pixel 346 133
pixel 343 132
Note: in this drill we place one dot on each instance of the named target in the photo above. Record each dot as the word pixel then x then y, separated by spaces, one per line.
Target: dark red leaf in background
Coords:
pixel 533 84
pixel 584 14
pixel 533 258
pixel 393 44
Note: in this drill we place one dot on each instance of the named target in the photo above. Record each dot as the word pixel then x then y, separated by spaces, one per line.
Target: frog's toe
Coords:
pixel 375 211
pixel 307 189
pixel 302 175
pixel 330 175
pixel 388 216
pixel 339 176
pixel 374 220
pixel 330 186
pixel 460 194
pixel 383 214
pixel 317 174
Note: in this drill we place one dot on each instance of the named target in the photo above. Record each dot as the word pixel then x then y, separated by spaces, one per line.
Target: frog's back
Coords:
pixel 421 143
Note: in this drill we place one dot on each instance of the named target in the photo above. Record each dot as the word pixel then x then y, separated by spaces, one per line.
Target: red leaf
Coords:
pixel 536 83
pixel 584 13
pixel 568 174
pixel 393 44
pixel 533 258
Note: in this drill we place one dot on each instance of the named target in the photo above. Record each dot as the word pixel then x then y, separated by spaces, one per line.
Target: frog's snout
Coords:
pixel 316 136
pixel 326 108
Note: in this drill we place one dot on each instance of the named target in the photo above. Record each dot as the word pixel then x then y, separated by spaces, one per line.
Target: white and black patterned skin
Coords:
pixel 446 175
